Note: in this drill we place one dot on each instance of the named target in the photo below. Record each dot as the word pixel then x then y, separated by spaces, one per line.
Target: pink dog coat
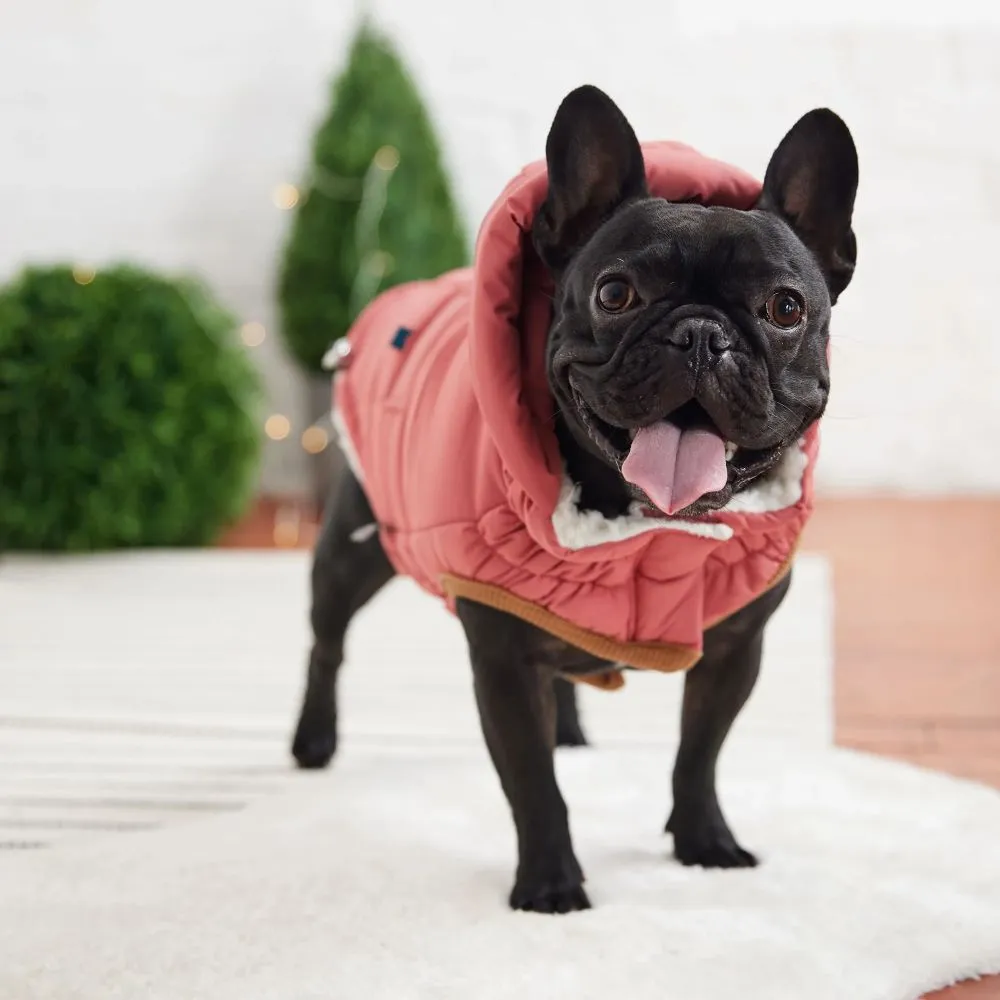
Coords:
pixel 445 416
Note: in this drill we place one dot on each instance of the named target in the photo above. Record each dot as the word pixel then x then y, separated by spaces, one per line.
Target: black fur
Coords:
pixel 701 275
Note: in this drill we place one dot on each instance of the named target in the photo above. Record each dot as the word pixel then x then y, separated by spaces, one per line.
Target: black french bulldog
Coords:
pixel 724 317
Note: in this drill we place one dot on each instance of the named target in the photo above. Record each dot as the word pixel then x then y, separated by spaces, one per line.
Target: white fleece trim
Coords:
pixel 362 534
pixel 344 437
pixel 580 529
pixel 780 489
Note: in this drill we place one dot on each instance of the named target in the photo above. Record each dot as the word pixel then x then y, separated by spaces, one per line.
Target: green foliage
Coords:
pixel 375 107
pixel 127 412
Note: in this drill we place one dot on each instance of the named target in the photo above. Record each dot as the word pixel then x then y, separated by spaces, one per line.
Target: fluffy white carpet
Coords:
pixel 158 691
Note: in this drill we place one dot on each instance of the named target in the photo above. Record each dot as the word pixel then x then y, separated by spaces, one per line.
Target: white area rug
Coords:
pixel 154 694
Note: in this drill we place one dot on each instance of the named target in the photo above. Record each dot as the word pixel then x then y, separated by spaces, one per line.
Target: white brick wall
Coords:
pixel 157 131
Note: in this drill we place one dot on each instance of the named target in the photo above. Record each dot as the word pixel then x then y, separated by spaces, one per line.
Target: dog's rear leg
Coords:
pixel 349 568
pixel 569 732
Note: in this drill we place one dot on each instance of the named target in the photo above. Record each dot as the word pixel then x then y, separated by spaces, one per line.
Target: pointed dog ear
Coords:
pixel 595 165
pixel 811 182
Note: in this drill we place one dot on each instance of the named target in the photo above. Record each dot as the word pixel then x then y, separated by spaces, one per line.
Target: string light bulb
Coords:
pixel 277 427
pixel 286 196
pixel 387 158
pixel 315 440
pixel 253 333
pixel 287 527
pixel 83 275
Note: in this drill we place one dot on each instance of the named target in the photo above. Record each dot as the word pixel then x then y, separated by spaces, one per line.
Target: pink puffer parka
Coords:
pixel 446 417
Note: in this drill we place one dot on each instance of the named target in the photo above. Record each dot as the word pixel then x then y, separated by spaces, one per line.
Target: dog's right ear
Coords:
pixel 595 165
pixel 811 182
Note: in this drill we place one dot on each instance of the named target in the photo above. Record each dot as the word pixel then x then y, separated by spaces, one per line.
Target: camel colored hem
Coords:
pixel 663 657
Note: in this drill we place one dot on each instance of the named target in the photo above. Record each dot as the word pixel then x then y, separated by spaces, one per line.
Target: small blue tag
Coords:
pixel 401 336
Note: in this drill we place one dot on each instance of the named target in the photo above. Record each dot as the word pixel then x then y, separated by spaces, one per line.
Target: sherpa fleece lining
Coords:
pixel 579 529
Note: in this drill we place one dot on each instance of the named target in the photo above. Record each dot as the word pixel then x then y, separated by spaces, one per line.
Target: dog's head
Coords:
pixel 688 345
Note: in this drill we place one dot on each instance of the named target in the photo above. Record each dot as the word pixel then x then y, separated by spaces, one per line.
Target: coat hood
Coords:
pixel 511 314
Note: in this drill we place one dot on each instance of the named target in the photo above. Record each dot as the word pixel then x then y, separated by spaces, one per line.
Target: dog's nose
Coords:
pixel 695 334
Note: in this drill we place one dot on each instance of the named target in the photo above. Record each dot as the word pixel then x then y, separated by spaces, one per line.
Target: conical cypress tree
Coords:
pixel 376 209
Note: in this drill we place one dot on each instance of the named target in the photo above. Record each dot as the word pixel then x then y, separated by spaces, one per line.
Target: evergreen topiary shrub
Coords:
pixel 127 410
pixel 375 209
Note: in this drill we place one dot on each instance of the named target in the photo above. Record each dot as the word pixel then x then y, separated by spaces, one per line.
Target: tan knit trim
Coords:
pixel 665 657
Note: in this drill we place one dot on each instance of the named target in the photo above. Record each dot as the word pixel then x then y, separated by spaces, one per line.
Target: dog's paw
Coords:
pixel 719 852
pixel 549 898
pixel 553 884
pixel 708 845
pixel 315 740
pixel 313 753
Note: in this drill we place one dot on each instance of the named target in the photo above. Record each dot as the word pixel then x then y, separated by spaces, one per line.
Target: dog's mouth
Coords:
pixel 681 464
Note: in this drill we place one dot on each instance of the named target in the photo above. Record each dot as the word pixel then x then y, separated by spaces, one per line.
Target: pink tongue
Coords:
pixel 674 467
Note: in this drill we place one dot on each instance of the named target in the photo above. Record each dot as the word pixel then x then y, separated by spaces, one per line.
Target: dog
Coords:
pixel 624 392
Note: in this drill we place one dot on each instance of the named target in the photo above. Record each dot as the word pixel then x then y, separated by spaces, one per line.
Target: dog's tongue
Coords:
pixel 674 467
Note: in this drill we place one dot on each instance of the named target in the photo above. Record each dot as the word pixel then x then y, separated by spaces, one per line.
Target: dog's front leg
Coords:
pixel 517 710
pixel 715 690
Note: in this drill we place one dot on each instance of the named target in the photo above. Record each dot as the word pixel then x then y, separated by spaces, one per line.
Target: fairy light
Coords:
pixel 287 527
pixel 277 427
pixel 83 275
pixel 286 196
pixel 387 158
pixel 253 333
pixel 315 439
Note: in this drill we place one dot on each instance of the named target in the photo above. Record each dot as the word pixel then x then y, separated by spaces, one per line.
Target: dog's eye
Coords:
pixel 615 295
pixel 785 309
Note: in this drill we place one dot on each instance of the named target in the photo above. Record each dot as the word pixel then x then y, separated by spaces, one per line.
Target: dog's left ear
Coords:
pixel 595 165
pixel 811 182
